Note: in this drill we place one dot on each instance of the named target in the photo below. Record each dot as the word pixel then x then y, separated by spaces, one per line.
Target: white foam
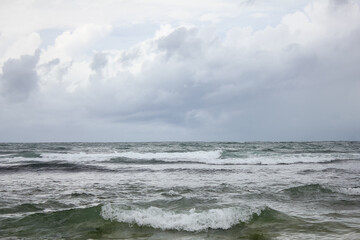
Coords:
pixel 191 220
pixel 355 191
pixel 286 159
pixel 205 157
pixel 200 156
pixel 77 157
pixel 168 156
pixel 275 160
pixel 214 157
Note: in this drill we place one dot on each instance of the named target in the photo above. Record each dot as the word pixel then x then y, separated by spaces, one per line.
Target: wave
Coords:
pixel 25 207
pixel 59 148
pixel 21 154
pixel 315 190
pixel 326 170
pixel 174 202
pixel 200 170
pixel 35 207
pixel 281 160
pixel 125 160
pixel 218 157
pixel 352 191
pixel 29 154
pixel 116 222
pixel 51 166
pixel 196 156
pixel 192 220
pixel 187 156
pixel 215 157
pixel 311 190
pixel 75 223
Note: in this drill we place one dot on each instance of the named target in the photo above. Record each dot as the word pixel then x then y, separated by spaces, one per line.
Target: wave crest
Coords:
pixel 192 220
pixel 188 156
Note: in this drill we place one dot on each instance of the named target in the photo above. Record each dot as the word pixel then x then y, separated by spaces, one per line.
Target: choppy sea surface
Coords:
pixel 180 190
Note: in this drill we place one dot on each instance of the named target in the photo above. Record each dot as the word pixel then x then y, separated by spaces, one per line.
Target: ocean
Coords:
pixel 180 190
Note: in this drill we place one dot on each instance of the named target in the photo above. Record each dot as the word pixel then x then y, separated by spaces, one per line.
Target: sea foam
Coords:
pixel 354 191
pixel 191 220
pixel 215 157
pixel 188 156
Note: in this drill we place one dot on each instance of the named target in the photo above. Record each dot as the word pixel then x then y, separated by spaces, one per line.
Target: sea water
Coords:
pixel 180 190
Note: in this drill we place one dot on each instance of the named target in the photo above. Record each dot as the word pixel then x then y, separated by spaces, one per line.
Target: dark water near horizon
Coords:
pixel 180 190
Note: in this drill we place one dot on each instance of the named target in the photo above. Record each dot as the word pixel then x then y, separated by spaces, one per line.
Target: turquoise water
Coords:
pixel 177 190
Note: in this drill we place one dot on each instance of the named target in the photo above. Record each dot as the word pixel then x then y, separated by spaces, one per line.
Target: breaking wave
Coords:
pixel 352 191
pixel 215 159
pixel 191 220
pixel 197 156
pixel 96 221
pixel 96 160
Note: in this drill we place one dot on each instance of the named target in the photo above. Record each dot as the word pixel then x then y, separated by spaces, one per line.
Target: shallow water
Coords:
pixel 193 190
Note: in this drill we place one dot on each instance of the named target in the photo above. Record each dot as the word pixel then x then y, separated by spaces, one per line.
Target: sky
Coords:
pixel 163 70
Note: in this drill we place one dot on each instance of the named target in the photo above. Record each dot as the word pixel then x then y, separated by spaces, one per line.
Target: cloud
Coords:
pixel 281 79
pixel 99 61
pixel 19 78
pixel 14 46
pixel 72 45
pixel 115 13
pixel 295 80
pixel 181 41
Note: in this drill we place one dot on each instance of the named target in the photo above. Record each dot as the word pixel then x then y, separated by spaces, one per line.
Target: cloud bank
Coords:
pixel 297 79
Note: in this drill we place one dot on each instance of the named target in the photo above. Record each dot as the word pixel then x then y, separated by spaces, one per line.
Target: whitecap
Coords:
pixel 169 156
pixel 191 220
pixel 354 191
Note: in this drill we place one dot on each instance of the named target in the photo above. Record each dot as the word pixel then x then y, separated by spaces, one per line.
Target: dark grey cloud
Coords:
pixel 19 77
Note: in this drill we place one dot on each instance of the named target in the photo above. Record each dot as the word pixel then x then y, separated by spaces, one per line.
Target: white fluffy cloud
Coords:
pixel 294 80
pixel 75 44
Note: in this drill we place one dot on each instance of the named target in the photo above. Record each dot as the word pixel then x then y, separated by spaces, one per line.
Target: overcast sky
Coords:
pixel 160 70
